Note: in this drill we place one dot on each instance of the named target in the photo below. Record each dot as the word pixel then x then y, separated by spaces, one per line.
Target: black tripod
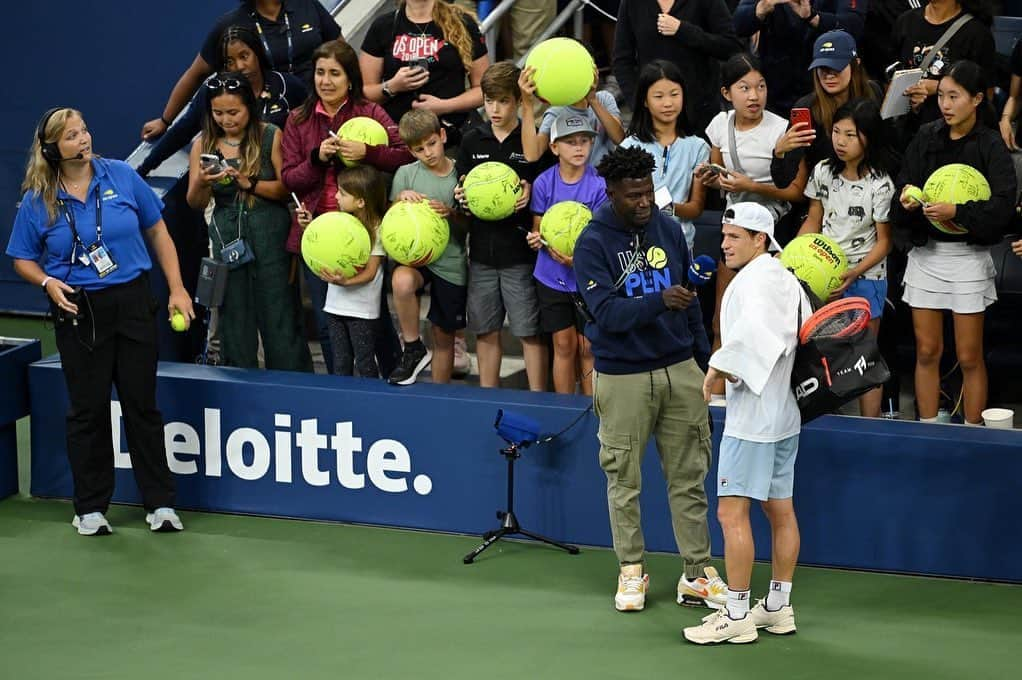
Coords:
pixel 509 523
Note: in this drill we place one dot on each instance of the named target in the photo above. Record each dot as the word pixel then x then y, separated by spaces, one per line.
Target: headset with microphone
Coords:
pixel 50 150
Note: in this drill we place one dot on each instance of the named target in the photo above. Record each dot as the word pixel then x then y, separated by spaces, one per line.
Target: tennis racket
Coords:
pixel 839 319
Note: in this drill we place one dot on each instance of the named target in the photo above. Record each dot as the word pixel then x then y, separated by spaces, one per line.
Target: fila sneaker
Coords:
pixel 631 589
pixel 710 591
pixel 92 524
pixel 780 622
pixel 719 627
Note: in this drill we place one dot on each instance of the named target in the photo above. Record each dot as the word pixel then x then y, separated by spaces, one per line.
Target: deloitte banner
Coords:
pixel 870 494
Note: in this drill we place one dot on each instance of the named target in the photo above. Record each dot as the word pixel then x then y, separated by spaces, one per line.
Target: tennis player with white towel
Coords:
pixel 759 330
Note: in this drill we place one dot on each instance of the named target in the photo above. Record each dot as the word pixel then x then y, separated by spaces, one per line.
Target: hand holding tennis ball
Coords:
pixel 178 321
pixel 912 197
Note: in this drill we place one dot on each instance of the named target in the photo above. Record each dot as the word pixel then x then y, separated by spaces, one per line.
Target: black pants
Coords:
pixel 114 344
pixel 354 345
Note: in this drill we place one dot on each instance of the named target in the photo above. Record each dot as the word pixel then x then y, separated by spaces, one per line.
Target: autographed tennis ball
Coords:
pixel 491 190
pixel 562 223
pixel 564 70
pixel 178 321
pixel 363 129
pixel 816 260
pixel 956 183
pixel 413 234
pixel 336 240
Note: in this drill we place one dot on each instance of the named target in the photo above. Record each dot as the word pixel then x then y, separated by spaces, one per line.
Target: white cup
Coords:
pixel 1000 418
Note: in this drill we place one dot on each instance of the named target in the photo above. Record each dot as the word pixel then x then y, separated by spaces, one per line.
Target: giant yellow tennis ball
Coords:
pixel 363 129
pixel 816 260
pixel 564 70
pixel 336 240
pixel 956 183
pixel 491 190
pixel 413 234
pixel 562 223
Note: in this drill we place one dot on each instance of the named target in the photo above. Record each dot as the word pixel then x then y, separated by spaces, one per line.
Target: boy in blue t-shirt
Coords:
pixel 572 179
pixel 432 177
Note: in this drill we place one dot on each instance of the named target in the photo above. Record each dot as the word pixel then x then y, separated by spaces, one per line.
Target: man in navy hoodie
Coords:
pixel 650 348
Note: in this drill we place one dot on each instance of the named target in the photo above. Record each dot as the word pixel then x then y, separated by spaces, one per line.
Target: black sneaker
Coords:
pixel 415 358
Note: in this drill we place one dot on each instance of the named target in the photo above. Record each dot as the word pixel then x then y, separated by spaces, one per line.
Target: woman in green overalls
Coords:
pixel 237 161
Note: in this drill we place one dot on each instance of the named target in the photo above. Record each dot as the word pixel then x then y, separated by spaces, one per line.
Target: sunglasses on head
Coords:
pixel 217 83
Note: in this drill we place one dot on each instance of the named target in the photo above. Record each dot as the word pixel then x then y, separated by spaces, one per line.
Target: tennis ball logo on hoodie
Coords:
pixel 656 257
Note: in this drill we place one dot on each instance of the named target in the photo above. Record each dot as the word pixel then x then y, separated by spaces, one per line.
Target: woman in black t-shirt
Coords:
pixel 419 56
pixel 289 33
pixel 915 33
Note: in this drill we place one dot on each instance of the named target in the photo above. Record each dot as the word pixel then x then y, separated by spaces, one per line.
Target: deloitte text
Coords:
pixel 247 453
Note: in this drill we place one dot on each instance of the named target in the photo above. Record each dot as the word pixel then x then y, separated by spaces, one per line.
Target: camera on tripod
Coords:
pixel 516 429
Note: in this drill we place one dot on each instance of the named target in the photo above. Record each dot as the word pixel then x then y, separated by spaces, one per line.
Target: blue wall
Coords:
pixel 115 60
pixel 870 493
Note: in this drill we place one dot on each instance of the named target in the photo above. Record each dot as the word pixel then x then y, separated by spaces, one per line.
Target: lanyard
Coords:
pixel 667 160
pixel 69 215
pixel 266 44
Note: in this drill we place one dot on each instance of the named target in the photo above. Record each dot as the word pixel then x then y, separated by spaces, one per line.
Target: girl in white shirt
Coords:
pixel 755 131
pixel 353 303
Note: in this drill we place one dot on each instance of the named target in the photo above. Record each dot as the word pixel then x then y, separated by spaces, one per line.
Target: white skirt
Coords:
pixel 950 275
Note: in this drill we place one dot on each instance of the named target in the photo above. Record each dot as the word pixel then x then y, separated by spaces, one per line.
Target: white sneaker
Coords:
pixel 632 585
pixel 462 359
pixel 92 524
pixel 164 519
pixel 710 591
pixel 780 622
pixel 719 627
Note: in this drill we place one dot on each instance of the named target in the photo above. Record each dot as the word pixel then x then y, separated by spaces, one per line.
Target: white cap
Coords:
pixel 754 217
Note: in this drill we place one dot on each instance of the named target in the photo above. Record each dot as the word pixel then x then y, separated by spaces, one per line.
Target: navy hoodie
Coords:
pixel 634 331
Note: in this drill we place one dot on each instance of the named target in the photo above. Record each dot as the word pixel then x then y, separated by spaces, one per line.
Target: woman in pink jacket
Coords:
pixel 313 157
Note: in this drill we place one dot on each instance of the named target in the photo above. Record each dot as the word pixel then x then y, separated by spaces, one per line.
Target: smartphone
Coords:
pixel 211 163
pixel 716 169
pixel 801 115
pixel 422 64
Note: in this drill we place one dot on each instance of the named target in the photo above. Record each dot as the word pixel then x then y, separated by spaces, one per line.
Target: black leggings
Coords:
pixel 354 345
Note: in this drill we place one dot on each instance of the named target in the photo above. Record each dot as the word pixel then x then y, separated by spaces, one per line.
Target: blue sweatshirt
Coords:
pixel 634 331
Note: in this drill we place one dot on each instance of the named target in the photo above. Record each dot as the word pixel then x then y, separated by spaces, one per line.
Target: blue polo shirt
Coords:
pixel 128 206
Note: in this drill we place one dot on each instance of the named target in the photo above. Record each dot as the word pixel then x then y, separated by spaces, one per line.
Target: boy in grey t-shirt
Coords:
pixel 432 176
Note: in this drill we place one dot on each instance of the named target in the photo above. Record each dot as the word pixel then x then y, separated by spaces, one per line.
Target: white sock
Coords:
pixel 779 595
pixel 928 420
pixel 979 424
pixel 737 603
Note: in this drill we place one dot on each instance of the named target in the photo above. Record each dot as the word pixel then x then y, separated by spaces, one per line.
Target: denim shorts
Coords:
pixel 874 290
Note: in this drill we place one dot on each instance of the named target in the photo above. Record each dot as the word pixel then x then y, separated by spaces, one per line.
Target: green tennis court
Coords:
pixel 248 597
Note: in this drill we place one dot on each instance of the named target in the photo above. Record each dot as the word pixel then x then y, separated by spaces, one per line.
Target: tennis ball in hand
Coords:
pixel 915 193
pixel 564 70
pixel 178 321
pixel 956 183
pixel 362 129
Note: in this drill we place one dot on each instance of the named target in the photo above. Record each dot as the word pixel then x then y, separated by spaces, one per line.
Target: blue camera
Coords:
pixel 514 428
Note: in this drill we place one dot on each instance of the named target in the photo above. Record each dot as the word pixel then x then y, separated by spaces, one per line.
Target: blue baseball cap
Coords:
pixel 834 50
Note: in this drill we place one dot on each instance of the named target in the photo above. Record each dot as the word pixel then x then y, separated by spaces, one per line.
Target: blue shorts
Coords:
pixel 755 469
pixel 874 290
